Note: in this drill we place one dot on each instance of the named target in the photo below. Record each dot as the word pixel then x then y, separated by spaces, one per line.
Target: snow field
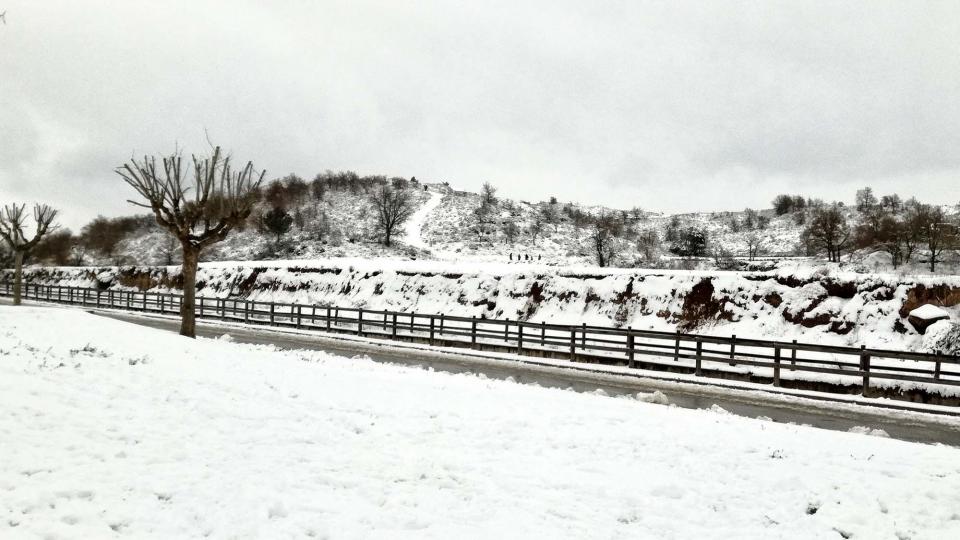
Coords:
pixel 110 430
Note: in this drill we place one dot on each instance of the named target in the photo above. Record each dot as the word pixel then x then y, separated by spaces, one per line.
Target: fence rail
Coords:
pixel 776 362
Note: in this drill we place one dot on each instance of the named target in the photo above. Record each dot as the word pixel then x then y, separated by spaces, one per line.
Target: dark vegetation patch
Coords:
pixel 701 308
pixel 938 295
pixel 773 299
pixel 840 289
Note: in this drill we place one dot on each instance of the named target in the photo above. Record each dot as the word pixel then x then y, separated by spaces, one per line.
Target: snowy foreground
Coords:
pixel 112 430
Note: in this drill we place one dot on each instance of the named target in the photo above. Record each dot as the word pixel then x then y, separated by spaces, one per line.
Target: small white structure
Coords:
pixel 925 315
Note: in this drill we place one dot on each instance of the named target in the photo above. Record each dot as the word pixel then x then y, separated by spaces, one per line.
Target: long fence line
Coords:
pixel 758 360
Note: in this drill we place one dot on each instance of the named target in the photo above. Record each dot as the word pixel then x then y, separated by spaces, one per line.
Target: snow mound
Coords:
pixel 929 312
pixel 865 430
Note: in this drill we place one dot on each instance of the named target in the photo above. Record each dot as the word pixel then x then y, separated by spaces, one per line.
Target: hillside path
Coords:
pixel 414 226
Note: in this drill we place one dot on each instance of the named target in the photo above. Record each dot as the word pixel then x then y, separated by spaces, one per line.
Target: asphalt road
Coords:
pixel 909 427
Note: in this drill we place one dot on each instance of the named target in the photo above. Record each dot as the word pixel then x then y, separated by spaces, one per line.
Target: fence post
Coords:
pixel 393 327
pixel 223 308
pixel 676 347
pixel 299 315
pixel 473 332
pixel 543 333
pixel 793 356
pixel 698 371
pixel 431 328
pixel 519 337
pixel 246 312
pixel 936 369
pixel 733 348
pixel 129 295
pixel 573 343
pixel 200 305
pixel 583 337
pixel 384 320
pixel 98 299
pixel 776 366
pixel 506 329
pixel 328 318
pixel 144 301
pixel 865 367
pixel 360 321
pixel 161 303
pixel 630 354
pixel 273 310
pixel 441 323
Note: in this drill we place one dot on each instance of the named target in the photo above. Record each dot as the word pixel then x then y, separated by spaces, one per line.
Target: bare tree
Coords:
pixel 198 211
pixel 755 245
pixel 12 222
pixel 828 230
pixel 605 237
pixel 393 207
pixel 536 228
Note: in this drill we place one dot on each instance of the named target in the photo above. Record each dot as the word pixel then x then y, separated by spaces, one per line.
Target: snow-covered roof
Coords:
pixel 929 312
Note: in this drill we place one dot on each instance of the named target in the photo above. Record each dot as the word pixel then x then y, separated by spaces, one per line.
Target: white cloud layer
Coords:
pixel 666 105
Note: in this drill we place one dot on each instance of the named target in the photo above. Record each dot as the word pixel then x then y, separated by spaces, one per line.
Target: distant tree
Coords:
pixel 691 242
pixel 938 234
pixel 296 189
pixel 782 204
pixel 755 245
pixel 318 187
pixel 488 194
pixel 399 182
pixel 749 219
pixel 865 199
pixel 103 234
pixel 829 231
pixel 277 222
pixel 13 223
pixel 536 228
pixel 392 208
pixel 553 200
pixel 551 216
pixel 762 222
pixel 275 194
pixel 891 203
pixel 56 247
pixel 510 231
pixel 198 212
pixel 735 225
pixel 648 244
pixel 605 237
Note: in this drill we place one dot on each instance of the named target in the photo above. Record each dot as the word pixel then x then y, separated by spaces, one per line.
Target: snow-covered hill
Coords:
pixel 444 228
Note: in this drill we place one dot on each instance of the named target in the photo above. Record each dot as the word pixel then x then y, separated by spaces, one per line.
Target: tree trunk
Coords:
pixel 17 276
pixel 188 316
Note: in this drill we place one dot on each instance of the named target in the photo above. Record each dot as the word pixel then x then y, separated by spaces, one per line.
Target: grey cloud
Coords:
pixel 670 106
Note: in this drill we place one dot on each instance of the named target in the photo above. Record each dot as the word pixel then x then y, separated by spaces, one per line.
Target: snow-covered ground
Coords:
pixel 414 226
pixel 110 429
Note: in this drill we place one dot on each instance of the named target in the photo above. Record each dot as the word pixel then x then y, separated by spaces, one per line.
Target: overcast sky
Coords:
pixel 671 106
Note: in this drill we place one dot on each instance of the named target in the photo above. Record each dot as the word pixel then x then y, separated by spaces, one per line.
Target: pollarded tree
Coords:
pixel 392 208
pixel 13 220
pixel 199 209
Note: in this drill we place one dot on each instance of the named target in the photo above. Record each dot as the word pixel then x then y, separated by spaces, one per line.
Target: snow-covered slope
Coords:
pixel 115 430
pixel 811 305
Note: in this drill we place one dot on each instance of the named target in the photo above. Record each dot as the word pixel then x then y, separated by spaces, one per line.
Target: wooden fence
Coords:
pixel 701 355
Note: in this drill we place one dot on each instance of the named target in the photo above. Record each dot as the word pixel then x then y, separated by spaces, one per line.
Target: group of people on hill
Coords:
pixel 524 257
